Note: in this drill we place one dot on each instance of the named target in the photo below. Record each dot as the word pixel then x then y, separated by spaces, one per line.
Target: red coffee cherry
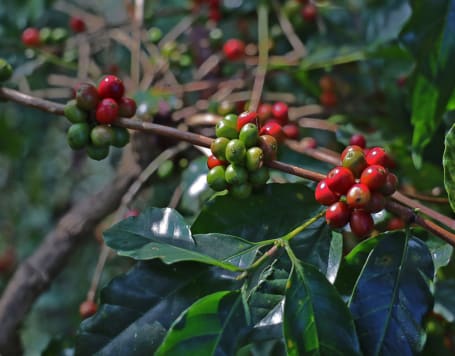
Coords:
pixel 87 309
pixel 87 97
pixel 374 176
pixel 377 155
pixel 309 12
pixel 7 260
pixel 234 49
pixel 376 204
pixel 337 215
pixel 264 112
pixel 212 161
pixel 324 195
pixel 291 130
pixel 77 24
pixel 390 184
pixel 106 111
pixel 31 37
pixel 308 142
pixel 280 112
pixel 358 196
pixel 274 129
pixel 246 117
pixel 358 140
pixel 328 99
pixel 111 86
pixel 361 223
pixel 340 179
pixel 396 223
pixel 327 83
pixel 126 107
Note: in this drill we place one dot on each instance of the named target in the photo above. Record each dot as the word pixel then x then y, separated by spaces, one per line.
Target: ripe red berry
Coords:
pixel 132 212
pixel 309 12
pixel 324 195
pixel 327 83
pixel 395 223
pixel 106 111
pixel 308 142
pixel 390 184
pixel 280 112
pixel 274 129
pixel 246 117
pixel 340 179
pixel 215 15
pixel 337 215
pixel 87 309
pixel 264 112
pixel 87 97
pixel 31 37
pixel 377 155
pixel 328 99
pixel 126 107
pixel 361 223
pixel 7 260
pixel 374 176
pixel 358 140
pixel 212 161
pixel 291 130
pixel 358 196
pixel 376 204
pixel 234 49
pixel 77 24
pixel 111 86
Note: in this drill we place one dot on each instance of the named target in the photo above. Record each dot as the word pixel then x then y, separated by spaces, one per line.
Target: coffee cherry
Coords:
pixel 396 223
pixel 264 112
pixel 326 83
pixel 246 118
pixel 280 112
pixel 78 135
pixel 235 151
pixel 377 155
pixel 269 147
pixel 7 260
pixel 59 35
pixel 87 97
pixel 218 148
pixel 324 195
pixel 328 99
pixel 376 204
pixel 225 107
pixel 232 118
pixel 309 12
pixel 31 37
pixel 358 196
pixel 73 113
pixel 87 309
pixel 77 24
pixel 154 34
pixel 226 129
pixel 337 214
pixel 235 174
pixel 6 71
pixel 358 140
pixel 259 177
pixel 121 137
pixel 349 149
pixel 249 135
pixel 45 35
pixel 126 107
pixel 340 179
pixel 241 191
pixel 212 162
pixel 291 130
pixel 361 223
pixel 355 161
pixel 274 129
pixel 111 86
pixel 390 184
pixel 97 153
pixel 131 213
pixel 254 159
pixel 234 49
pixel 374 176
pixel 308 143
pixel 107 111
pixel 102 135
pixel 216 179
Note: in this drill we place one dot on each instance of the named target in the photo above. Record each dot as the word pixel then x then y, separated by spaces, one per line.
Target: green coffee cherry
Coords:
pixel 6 71
pixel 259 177
pixel 249 134
pixel 218 148
pixel 216 178
pixel 73 113
pixel 226 129
pixel 225 108
pixel 59 34
pixel 97 153
pixel 235 151
pixel 236 174
pixel 78 135
pixel 155 34
pixel 241 191
pixel 45 35
pixel 232 118
pixel 102 135
pixel 253 159
pixel 121 137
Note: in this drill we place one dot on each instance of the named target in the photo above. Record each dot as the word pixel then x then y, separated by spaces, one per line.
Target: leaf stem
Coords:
pixel 290 235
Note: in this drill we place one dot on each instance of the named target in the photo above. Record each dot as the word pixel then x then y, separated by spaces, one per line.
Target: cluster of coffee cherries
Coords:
pixel 357 188
pixel 274 121
pixel 238 155
pixel 92 113
pixel 328 97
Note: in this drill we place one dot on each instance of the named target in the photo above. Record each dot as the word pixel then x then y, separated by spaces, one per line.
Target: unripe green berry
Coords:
pixel 235 151
pixel 6 71
pixel 235 174
pixel 226 129
pixel 78 135
pixel 259 177
pixel 241 191
pixel 121 137
pixel 218 148
pixel 73 113
pixel 102 135
pixel 45 35
pixel 155 34
pixel 216 178
pixel 254 159
pixel 232 118
pixel 97 153
pixel 59 34
pixel 249 134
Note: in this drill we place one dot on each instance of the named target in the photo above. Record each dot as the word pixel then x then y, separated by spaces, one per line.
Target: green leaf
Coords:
pixel 137 309
pixel 392 295
pixel 428 35
pixel 312 309
pixel 444 300
pixel 448 162
pixel 211 326
pixel 163 234
pixel 266 215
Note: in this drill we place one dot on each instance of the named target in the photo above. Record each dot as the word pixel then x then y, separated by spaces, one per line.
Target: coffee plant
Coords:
pixel 227 177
